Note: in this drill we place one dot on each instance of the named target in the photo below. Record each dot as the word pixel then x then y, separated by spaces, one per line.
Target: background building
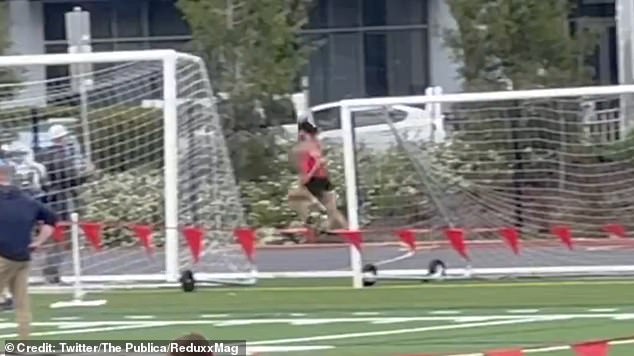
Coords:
pixel 362 47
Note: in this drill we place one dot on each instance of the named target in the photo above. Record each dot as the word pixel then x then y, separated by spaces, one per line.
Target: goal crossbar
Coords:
pixel 494 95
pixel 94 57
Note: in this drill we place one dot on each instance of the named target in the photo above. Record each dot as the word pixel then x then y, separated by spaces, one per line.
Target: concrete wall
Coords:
pixel 443 71
pixel 26 28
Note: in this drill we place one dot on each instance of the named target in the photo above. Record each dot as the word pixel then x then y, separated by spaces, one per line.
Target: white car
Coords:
pixel 371 126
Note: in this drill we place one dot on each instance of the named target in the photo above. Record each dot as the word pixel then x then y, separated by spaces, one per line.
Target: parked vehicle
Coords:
pixel 371 126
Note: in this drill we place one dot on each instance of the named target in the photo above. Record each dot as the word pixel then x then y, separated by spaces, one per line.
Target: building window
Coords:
pixel 319 67
pixel 132 46
pixel 375 47
pixel 367 48
pixel 394 12
pixel 119 19
pixel 55 19
pixel 318 14
pixel 128 15
pixel 345 14
pixel 395 62
pixel 345 71
pixel 165 19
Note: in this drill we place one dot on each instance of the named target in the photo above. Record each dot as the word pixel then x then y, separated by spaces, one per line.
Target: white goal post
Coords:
pixel 159 160
pixel 563 107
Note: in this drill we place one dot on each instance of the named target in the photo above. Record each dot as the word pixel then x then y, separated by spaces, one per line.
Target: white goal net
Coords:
pixel 534 183
pixel 139 155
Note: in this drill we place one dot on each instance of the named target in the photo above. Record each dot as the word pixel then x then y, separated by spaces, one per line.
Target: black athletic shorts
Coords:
pixel 317 186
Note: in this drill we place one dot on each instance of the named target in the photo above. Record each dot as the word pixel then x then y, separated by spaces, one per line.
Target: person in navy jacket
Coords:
pixel 20 215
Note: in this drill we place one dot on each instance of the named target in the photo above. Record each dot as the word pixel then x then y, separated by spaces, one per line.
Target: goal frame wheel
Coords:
pixel 187 280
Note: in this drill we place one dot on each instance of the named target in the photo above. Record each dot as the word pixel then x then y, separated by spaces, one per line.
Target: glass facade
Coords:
pixel 117 25
pixel 361 47
pixel 364 48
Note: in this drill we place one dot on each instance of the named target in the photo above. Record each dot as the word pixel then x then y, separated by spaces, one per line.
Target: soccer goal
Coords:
pixel 150 176
pixel 491 185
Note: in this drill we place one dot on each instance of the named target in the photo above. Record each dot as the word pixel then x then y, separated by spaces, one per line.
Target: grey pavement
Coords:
pixel 130 260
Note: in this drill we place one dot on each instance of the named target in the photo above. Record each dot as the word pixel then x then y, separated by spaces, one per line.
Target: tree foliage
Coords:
pixel 520 44
pixel 527 42
pixel 254 55
pixel 252 47
pixel 7 76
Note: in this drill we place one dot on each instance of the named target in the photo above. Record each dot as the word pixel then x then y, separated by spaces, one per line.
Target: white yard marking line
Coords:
pixel 139 317
pixel 445 312
pixel 276 349
pixel 90 330
pixel 214 315
pixel 396 331
pixel 297 314
pixel 603 310
pixel 63 318
pixel 523 311
pixel 366 313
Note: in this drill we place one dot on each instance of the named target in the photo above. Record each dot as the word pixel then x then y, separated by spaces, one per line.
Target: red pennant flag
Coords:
pixel 599 348
pixel 512 238
pixel 408 237
pixel 505 353
pixel 457 240
pixel 246 238
pixel 355 238
pixel 145 235
pixel 311 236
pixel 93 232
pixel 615 230
pixel 564 234
pixel 195 238
pixel 59 234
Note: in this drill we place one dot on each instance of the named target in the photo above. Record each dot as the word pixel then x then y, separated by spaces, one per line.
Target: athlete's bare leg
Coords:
pixel 336 220
pixel 300 200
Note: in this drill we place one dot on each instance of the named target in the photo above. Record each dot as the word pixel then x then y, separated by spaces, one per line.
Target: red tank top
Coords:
pixel 309 161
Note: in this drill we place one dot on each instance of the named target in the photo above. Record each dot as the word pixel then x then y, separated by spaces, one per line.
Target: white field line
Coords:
pixel 63 318
pixel 312 321
pixel 139 317
pixel 445 312
pixel 523 311
pixel 398 331
pixel 366 313
pixel 138 325
pixel 552 348
pixel 603 310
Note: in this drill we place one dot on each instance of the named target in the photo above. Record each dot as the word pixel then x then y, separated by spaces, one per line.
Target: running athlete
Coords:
pixel 314 183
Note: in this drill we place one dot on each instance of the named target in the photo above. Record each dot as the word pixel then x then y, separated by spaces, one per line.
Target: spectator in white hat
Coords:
pixel 66 173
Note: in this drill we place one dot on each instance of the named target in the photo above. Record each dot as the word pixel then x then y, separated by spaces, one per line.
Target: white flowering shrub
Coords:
pixel 118 199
